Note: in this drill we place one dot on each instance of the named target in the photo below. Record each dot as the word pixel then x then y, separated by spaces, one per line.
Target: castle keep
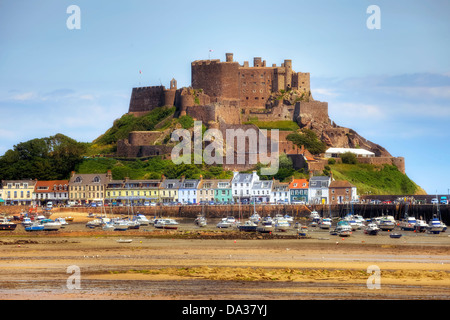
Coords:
pixel 223 87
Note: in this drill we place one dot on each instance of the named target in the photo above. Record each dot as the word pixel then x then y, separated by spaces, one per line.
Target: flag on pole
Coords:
pixel 140 72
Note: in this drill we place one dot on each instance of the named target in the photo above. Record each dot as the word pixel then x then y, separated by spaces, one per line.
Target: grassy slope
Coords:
pixel 374 179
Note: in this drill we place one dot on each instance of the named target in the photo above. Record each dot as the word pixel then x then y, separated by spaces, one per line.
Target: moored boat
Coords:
pixel 325 223
pixel 50 225
pixel 386 223
pixel 6 225
pixel 166 224
pixel 343 229
pixel 420 226
pixel 435 226
pixel 143 221
pixel 35 226
pixel 372 229
pixel 407 224
pixel 281 224
pixel 200 221
pixel 248 226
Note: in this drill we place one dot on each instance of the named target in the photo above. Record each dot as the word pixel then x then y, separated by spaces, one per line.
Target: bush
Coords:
pixel 331 161
pixel 349 158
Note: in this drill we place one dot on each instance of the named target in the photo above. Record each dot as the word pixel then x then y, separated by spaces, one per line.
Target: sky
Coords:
pixel 391 85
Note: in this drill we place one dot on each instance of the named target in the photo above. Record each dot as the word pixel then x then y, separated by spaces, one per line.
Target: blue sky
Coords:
pixel 391 85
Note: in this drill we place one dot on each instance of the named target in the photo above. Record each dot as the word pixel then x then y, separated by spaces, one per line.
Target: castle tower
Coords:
pixel 288 73
pixel 229 57
pixel 173 84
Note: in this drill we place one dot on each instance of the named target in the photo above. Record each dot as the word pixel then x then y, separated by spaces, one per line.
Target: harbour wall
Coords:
pixel 420 211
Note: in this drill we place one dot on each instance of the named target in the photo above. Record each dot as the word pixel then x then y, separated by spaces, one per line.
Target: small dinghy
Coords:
pixel 395 235
pixel 124 240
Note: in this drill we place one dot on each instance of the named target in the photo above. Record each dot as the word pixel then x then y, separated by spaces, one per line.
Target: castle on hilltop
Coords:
pixel 227 94
pixel 225 82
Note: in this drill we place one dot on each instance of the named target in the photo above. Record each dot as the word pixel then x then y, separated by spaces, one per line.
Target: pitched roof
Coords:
pixel 298 184
pixel 49 186
pixel 340 184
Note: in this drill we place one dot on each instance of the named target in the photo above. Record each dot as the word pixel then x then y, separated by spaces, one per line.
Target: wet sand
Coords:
pixel 207 263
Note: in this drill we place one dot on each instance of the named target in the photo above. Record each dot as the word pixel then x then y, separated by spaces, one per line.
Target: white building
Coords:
pixel 242 186
pixel 336 152
pixel 261 190
pixel 280 193
pixel 318 192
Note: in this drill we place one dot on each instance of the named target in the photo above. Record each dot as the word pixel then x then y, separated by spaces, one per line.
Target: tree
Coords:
pixel 309 140
pixel 349 158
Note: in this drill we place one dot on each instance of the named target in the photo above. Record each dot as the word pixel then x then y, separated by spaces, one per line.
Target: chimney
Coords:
pixel 109 175
pixel 72 174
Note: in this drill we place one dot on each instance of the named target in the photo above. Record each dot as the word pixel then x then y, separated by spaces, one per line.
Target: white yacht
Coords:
pixel 325 223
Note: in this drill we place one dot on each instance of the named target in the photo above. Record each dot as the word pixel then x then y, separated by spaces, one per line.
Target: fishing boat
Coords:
pixel 352 222
pixel 288 218
pixel 386 223
pixel 26 222
pixel 120 224
pixel 62 221
pixel 266 225
pixel 248 226
pixel 143 221
pixel 224 223
pixel 420 226
pixel 6 225
pixel 109 226
pixel 166 224
pixel 50 225
pixel 408 223
pixel 281 224
pixel 314 216
pixel 133 224
pixel 325 223
pixel 343 228
pixel 435 226
pixel 200 221
pixel 94 223
pixel 303 231
pixel 35 226
pixel 372 229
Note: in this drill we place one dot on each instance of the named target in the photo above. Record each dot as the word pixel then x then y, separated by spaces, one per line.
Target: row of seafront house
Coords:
pixel 86 189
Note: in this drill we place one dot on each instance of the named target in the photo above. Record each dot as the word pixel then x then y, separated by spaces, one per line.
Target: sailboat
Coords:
pixel 435 225
pixel 325 223
pixel 407 223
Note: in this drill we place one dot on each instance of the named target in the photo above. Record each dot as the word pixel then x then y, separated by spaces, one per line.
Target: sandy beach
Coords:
pixel 194 263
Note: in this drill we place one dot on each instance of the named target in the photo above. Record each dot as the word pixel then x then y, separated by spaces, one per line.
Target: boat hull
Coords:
pixel 7 227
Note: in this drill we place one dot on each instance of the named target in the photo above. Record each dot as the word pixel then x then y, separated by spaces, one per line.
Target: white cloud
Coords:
pixel 24 96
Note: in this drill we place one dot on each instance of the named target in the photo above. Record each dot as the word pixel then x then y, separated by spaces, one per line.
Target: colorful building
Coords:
pixel 298 191
pixel 54 191
pixel 342 192
pixel 88 188
pixel 135 192
pixel 188 191
pixel 280 193
pixel 168 192
pixel 223 192
pixel 18 192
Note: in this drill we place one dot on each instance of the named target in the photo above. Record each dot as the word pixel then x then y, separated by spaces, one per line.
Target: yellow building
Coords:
pixel 18 192
pixel 88 188
pixel 136 192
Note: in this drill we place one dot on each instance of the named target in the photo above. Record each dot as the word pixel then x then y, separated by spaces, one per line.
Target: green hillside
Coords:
pixel 373 179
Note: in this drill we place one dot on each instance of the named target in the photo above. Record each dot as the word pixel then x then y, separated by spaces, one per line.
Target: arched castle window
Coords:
pixel 96 179
pixel 78 179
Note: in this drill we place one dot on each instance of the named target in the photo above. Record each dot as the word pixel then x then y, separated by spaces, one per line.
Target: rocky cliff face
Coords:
pixel 314 115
